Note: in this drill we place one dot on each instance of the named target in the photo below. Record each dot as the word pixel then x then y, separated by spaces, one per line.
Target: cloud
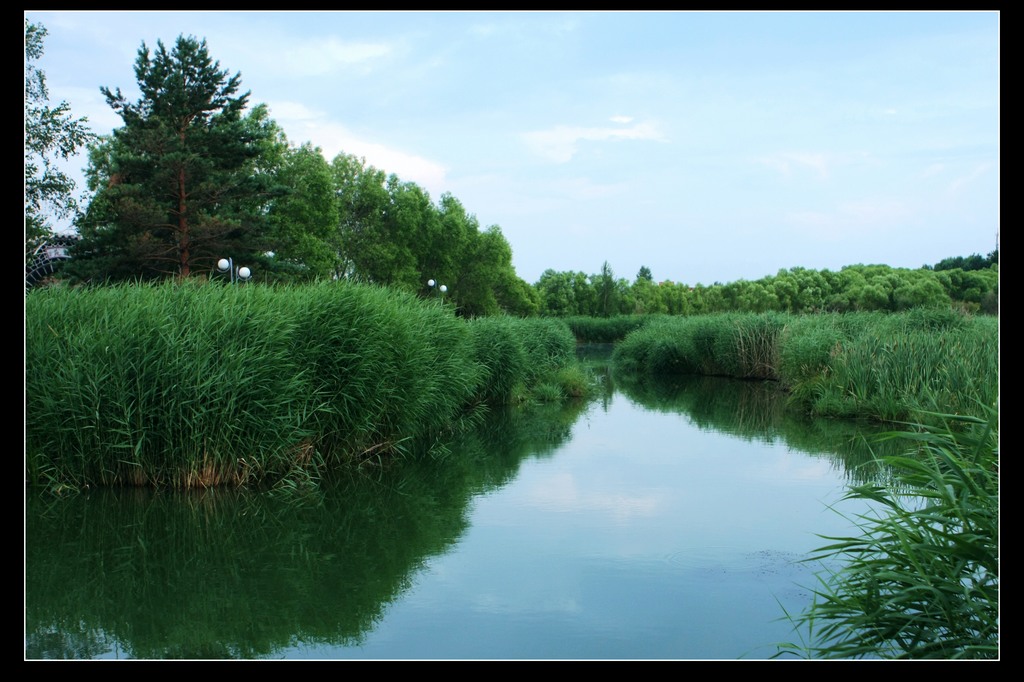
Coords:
pixel 959 183
pixel 304 124
pixel 852 218
pixel 933 169
pixel 319 57
pixel 786 162
pixel 482 30
pixel 560 144
pixel 560 493
pixel 585 189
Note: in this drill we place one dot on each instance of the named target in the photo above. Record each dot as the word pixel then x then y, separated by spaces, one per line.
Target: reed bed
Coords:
pixel 199 384
pixel 900 367
pixel 883 366
pixel 521 357
pixel 588 329
pixel 737 345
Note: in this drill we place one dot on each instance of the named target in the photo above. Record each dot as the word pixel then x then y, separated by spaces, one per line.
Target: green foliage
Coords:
pixel 204 385
pixel 725 344
pixel 501 351
pixel 567 293
pixel 302 230
pixel 856 288
pixel 604 286
pixel 526 358
pixel 972 262
pixel 883 366
pixel 921 581
pixel 391 234
pixel 891 367
pixel 51 133
pixel 178 186
pixel 588 329
pixel 549 346
pixel 199 384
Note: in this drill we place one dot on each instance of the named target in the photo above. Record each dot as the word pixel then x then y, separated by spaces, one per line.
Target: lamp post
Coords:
pixel 241 273
pixel 441 289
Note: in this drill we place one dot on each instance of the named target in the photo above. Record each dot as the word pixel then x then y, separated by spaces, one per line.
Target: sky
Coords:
pixel 706 146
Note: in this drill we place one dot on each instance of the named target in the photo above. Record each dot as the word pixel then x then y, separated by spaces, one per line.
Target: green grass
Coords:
pixel 588 329
pixel 199 384
pixel 922 579
pixel 882 366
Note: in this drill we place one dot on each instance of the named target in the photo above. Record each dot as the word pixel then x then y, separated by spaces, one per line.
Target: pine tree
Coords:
pixel 178 186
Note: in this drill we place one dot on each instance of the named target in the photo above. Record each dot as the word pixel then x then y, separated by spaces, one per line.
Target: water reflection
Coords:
pixel 608 530
pixel 233 574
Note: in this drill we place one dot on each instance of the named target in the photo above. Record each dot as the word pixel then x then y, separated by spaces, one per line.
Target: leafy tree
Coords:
pixel 604 284
pixel 758 297
pixel 973 262
pixel 50 133
pixel 556 293
pixel 515 295
pixel 391 234
pixel 644 274
pixel 488 255
pixel 647 297
pixel 180 184
pixel 303 235
pixel 678 298
pixel 363 199
pixel 623 299
pixel 919 288
pixel 448 249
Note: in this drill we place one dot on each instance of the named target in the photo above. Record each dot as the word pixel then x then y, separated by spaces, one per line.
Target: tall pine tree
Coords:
pixel 179 185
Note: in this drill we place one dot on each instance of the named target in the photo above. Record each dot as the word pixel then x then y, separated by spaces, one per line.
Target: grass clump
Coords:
pixel 526 358
pixel 195 384
pixel 883 366
pixel 588 329
pixel 922 579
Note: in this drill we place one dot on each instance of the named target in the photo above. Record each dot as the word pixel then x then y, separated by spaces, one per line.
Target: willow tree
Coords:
pixel 177 186
pixel 51 134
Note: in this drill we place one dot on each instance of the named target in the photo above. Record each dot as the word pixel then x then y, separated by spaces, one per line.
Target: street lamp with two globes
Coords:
pixel 241 273
pixel 441 289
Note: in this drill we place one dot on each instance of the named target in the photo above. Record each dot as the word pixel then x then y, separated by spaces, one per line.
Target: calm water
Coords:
pixel 660 521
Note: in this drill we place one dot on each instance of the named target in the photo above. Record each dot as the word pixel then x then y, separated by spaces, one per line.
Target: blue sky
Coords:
pixel 707 146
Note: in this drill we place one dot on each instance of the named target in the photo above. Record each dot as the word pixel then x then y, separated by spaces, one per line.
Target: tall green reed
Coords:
pixel 887 367
pixel 199 384
pixel 922 579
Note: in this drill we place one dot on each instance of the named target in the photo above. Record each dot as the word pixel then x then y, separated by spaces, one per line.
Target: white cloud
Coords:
pixel 959 183
pixel 303 124
pixel 583 188
pixel 851 218
pixel 560 144
pixel 317 57
pixel 560 493
pixel 786 162
pixel 482 30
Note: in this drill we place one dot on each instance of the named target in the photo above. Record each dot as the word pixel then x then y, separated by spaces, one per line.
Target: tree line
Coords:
pixel 195 175
pixel 796 290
